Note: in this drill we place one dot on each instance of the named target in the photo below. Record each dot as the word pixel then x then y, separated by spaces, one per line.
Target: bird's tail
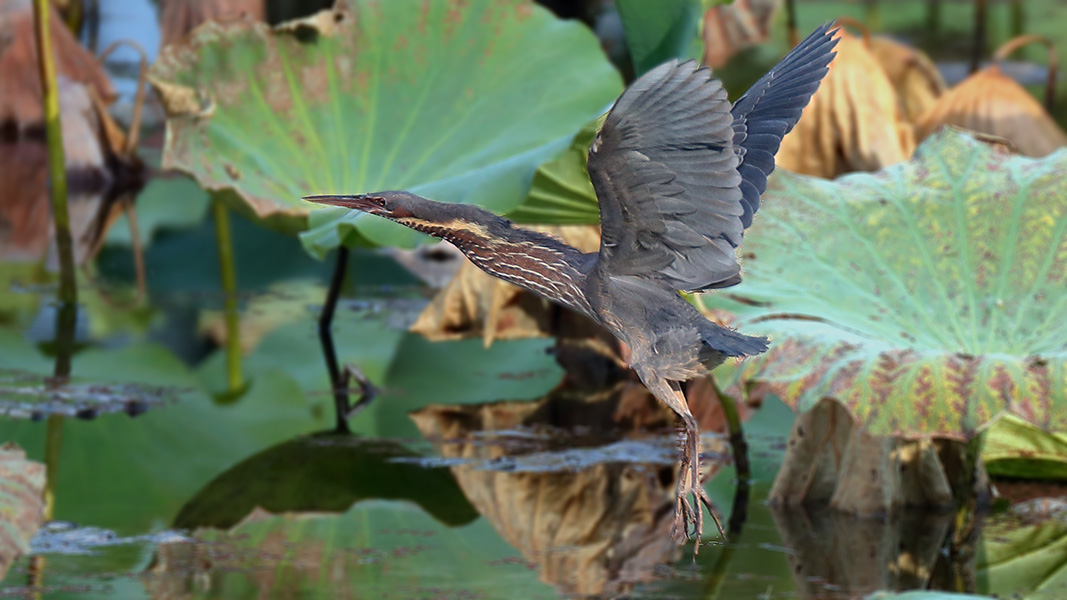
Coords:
pixel 732 343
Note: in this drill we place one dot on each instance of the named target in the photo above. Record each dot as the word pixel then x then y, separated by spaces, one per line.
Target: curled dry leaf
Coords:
pixel 730 28
pixel 831 460
pixel 594 520
pixel 853 122
pixel 914 76
pixel 991 103
pixel 21 504
pixel 20 85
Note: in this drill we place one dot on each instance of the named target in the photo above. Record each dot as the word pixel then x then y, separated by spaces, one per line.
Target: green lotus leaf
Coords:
pixel 929 297
pixel 561 192
pixel 458 101
pixel 659 31
pixel 1023 552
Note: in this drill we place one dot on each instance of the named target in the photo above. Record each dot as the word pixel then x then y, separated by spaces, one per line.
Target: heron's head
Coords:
pixel 435 218
pixel 393 205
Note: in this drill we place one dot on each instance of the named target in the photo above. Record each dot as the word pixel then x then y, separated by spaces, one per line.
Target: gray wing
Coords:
pixel 772 106
pixel 665 172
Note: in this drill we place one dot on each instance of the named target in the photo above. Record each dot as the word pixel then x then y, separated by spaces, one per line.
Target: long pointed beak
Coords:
pixel 361 202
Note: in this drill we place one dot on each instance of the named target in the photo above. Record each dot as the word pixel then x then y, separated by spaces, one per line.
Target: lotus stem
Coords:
pixel 53 445
pixel 933 16
pixel 738 445
pixel 228 271
pixel 57 167
pixel 981 11
pixel 329 351
pixel 871 15
pixel 791 22
pixel 1018 17
pixel 142 84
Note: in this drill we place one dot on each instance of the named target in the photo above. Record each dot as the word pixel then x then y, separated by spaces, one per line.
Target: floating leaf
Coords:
pixel 928 298
pixel 324 472
pixel 29 396
pixel 456 100
pixel 382 549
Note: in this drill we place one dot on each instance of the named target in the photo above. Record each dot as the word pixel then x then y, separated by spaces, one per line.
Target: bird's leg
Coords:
pixel 691 515
pixel 687 514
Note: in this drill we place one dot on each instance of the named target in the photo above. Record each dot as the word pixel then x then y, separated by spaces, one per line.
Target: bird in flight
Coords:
pixel 678 172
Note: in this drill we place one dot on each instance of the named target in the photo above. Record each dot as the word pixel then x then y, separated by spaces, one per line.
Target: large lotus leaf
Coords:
pixel 456 100
pixel 928 297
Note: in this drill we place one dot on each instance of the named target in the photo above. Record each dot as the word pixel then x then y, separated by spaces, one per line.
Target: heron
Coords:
pixel 678 172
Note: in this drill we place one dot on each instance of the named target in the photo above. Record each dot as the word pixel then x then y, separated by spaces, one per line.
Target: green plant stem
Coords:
pixel 53 444
pixel 791 22
pixel 228 271
pixel 57 170
pixel 341 400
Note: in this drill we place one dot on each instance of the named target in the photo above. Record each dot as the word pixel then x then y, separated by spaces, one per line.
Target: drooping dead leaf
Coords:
pixel 179 17
pixel 832 460
pixel 914 76
pixel 25 216
pixel 730 28
pixel 853 122
pixel 856 556
pixel 20 84
pixel 991 103
pixel 476 304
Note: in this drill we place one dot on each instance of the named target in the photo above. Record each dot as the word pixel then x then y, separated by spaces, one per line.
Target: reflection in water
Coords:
pixel 594 520
pixel 834 555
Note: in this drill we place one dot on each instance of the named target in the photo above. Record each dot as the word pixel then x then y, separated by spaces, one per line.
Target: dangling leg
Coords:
pixel 686 514
pixel 689 483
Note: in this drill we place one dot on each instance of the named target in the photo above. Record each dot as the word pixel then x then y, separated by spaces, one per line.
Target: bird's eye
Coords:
pixel 380 201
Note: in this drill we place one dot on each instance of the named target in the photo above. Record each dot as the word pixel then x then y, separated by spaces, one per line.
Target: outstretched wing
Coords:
pixel 665 172
pixel 772 106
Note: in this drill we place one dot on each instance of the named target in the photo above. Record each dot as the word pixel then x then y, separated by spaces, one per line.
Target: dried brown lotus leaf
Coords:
pixel 730 28
pixel 856 124
pixel 991 103
pixel 474 304
pixel 914 76
pixel 20 82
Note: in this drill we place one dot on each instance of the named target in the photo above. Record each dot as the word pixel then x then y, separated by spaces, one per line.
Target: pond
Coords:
pixel 471 474
pixel 196 453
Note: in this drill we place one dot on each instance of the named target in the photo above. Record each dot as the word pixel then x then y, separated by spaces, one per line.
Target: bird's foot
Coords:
pixel 689 516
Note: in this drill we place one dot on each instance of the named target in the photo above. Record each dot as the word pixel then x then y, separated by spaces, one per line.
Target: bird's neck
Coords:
pixel 529 259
